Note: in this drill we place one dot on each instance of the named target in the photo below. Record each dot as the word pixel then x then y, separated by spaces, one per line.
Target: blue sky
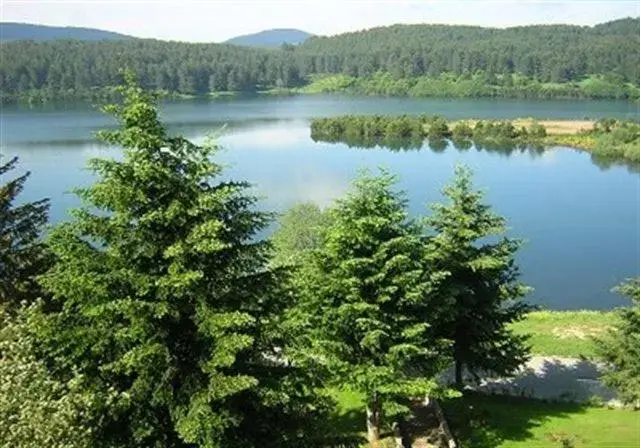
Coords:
pixel 217 20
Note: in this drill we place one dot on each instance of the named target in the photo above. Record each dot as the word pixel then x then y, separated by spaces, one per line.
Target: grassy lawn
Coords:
pixel 481 421
pixel 492 421
pixel 484 421
pixel 564 333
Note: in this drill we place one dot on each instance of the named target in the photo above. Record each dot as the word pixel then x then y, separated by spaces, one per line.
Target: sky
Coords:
pixel 217 20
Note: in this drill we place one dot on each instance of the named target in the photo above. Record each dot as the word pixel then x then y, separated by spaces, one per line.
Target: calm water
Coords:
pixel 581 221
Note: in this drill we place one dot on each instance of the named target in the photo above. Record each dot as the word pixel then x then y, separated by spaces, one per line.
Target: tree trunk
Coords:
pixel 459 368
pixel 373 422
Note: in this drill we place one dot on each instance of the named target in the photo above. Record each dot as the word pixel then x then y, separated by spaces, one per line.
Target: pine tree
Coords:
pixel 365 296
pixel 22 254
pixel 167 300
pixel 481 290
pixel 620 349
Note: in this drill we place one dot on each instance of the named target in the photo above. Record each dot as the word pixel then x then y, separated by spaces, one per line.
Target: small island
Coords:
pixel 608 139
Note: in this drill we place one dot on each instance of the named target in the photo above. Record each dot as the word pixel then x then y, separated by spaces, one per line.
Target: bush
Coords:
pixel 462 131
pixel 537 131
pixel 37 410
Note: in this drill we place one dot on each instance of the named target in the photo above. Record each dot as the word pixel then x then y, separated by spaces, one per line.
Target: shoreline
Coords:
pixel 315 87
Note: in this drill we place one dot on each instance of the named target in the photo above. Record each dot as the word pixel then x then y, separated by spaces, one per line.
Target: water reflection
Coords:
pixel 581 230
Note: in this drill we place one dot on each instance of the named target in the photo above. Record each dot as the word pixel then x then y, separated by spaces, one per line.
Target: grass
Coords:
pixel 486 421
pixel 349 415
pixel 564 333
pixel 327 84
pixel 496 421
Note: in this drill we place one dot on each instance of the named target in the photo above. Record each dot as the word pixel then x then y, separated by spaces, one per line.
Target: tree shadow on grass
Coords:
pixel 506 410
pixel 345 429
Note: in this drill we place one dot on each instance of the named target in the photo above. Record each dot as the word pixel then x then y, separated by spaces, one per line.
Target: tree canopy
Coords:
pixel 620 349
pixel 165 299
pixel 481 289
pixel 365 295
pixel 399 59
pixel 22 253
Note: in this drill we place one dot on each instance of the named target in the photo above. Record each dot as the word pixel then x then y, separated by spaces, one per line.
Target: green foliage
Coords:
pixel 481 290
pixel 165 296
pixel 462 131
pixel 617 140
pixel 365 298
pixel 560 61
pixel 498 421
pixel 37 410
pixel 22 254
pixel 368 131
pixel 437 128
pixel 327 84
pixel 620 349
pixel 409 132
pixel 298 233
pixel 537 131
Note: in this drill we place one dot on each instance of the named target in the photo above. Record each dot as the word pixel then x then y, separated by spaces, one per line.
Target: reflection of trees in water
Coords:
pixel 437 145
pixel 507 147
pixel 606 163
pixel 390 143
pixel 504 147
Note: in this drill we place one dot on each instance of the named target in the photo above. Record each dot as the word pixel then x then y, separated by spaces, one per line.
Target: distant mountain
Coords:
pixel 271 38
pixel 28 31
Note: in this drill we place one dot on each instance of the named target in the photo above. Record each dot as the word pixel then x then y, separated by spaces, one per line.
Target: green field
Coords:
pixel 480 421
pixel 485 421
pixel 564 333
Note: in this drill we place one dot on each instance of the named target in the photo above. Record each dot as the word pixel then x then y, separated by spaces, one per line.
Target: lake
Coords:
pixel 580 219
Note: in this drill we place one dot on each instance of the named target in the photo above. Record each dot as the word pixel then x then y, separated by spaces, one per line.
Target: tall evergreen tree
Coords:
pixel 166 298
pixel 22 254
pixel 481 290
pixel 620 349
pixel 365 296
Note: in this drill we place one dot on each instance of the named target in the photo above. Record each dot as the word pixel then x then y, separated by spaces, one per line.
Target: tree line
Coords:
pixel 609 139
pixel 597 62
pixel 159 317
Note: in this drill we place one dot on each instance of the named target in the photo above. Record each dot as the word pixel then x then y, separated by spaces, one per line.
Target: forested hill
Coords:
pixel 533 61
pixel 271 38
pixel 552 53
pixel 26 31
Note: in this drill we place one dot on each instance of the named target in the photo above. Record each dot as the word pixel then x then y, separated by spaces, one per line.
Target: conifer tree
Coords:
pixel 481 291
pixel 366 294
pixel 167 300
pixel 22 254
pixel 620 349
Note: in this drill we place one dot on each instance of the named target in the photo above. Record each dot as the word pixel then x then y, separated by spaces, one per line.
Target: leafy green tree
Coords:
pixel 620 349
pixel 166 298
pixel 37 410
pixel 298 233
pixel 365 297
pixel 537 131
pixel 462 131
pixel 22 254
pixel 481 290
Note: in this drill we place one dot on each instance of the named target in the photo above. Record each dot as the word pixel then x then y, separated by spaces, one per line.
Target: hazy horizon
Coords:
pixel 216 21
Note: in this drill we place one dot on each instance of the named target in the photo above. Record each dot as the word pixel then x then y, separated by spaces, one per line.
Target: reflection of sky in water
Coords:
pixel 580 222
